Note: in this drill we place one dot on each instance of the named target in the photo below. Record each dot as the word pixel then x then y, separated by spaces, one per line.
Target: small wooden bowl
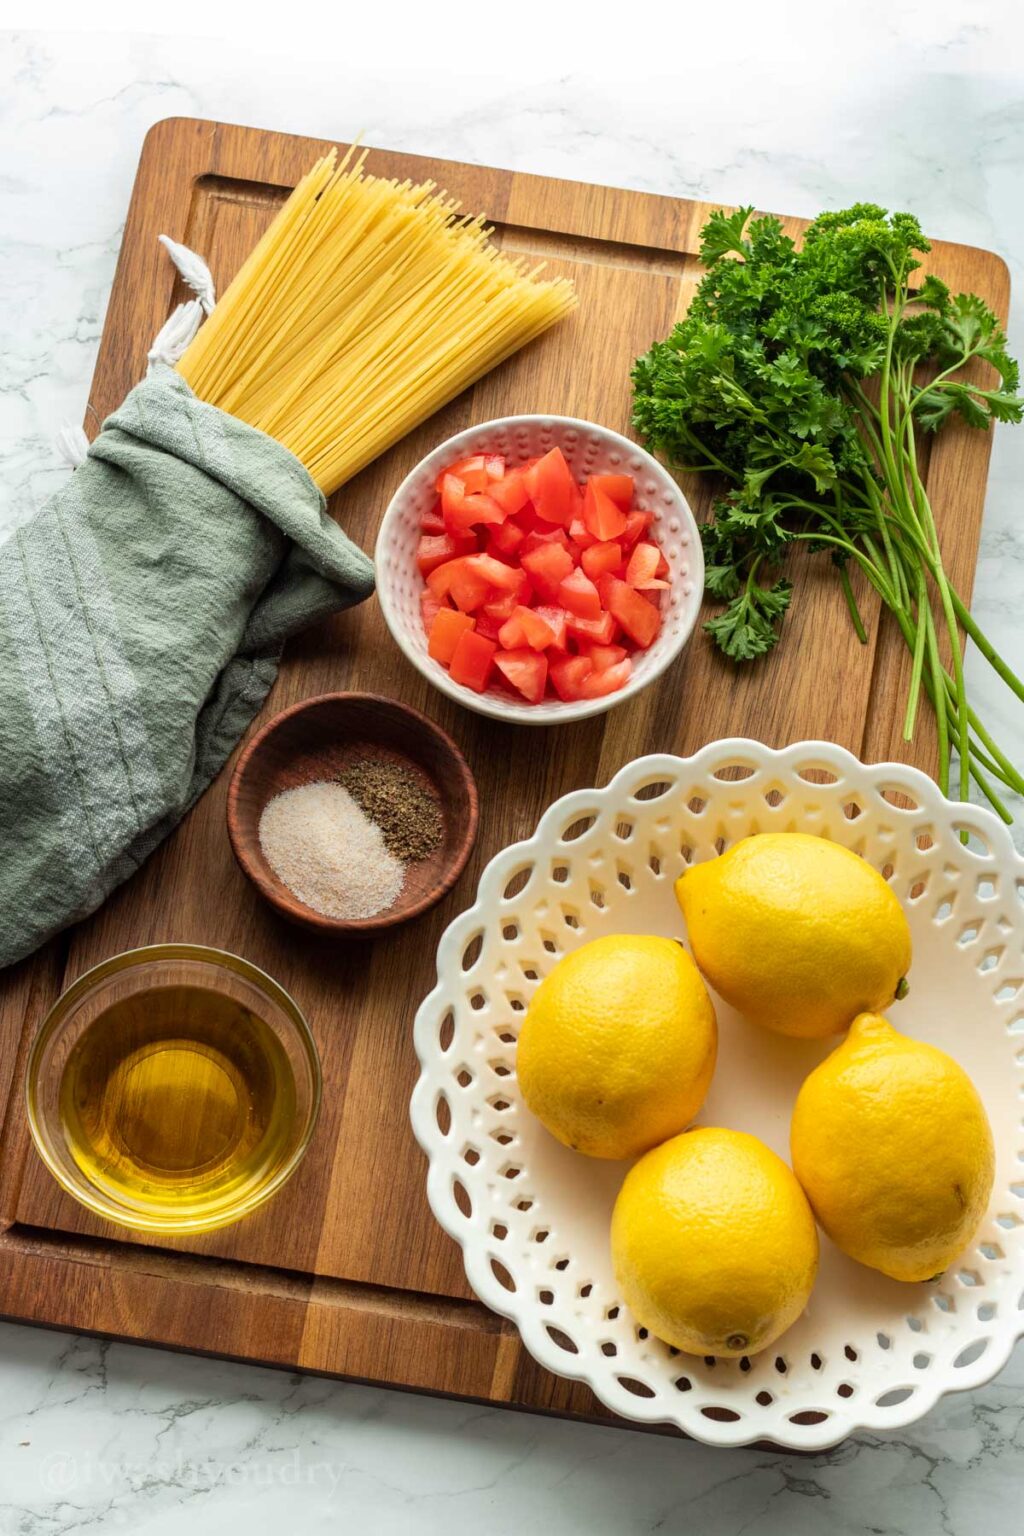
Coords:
pixel 317 739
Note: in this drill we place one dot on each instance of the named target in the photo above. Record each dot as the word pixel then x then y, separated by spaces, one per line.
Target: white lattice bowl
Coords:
pixel 532 1217
pixel 590 450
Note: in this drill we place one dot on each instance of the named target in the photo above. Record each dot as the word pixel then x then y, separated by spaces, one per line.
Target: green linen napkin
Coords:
pixel 142 616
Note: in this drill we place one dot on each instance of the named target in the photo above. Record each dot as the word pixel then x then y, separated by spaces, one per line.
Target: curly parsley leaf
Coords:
pixel 749 626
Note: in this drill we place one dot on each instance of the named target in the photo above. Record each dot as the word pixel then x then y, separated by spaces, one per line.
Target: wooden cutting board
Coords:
pixel 347 1273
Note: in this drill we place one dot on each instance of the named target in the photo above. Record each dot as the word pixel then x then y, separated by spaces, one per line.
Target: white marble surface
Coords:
pixel 792 106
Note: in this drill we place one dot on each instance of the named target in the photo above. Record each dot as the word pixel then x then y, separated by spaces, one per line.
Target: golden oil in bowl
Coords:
pixel 173 1089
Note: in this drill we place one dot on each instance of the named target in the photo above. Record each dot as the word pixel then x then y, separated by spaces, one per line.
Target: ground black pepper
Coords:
pixel 407 814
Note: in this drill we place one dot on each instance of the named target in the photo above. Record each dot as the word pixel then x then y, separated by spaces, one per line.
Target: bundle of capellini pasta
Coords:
pixel 366 306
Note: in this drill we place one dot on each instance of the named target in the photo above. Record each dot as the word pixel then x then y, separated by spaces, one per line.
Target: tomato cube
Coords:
pixel 471 661
pixel 601 630
pixel 536 539
pixel 618 488
pixel 471 471
pixel 526 628
pixel 504 540
pixel 603 518
pixel 433 521
pixel 637 524
pixel 453 579
pixel 568 676
pixel 579 533
pixel 487 626
pixel 447 629
pixel 637 615
pixel 501 608
pixel 495 466
pixel 603 656
pixel 597 684
pixel 430 607
pixel 526 671
pixel 601 558
pixel 510 494
pixel 555 620
pixel 547 567
pixel 578 595
pixel 552 488
pixel 435 548
pixel 463 510
pixel 496 573
pixel 641 572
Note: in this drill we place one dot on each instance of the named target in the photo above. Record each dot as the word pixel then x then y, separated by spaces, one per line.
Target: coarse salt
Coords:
pixel 328 853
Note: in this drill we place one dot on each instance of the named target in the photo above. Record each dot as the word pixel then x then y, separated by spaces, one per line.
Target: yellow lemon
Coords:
pixel 713 1242
pixel 618 1045
pixel 797 933
pixel 893 1148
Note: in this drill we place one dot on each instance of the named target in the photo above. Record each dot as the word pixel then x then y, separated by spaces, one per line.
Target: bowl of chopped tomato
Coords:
pixel 540 568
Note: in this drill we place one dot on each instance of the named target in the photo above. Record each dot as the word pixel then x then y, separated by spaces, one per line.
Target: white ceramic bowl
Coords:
pixel 590 449
pixel 532 1217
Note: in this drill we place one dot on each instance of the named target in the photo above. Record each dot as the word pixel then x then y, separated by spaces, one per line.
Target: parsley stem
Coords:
pixel 914 691
pixel 938 696
pixel 851 603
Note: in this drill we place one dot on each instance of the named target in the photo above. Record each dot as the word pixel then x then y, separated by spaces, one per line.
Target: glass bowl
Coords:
pixel 173 1089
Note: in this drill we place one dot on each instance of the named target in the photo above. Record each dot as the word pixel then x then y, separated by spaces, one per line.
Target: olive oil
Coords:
pixel 178 1103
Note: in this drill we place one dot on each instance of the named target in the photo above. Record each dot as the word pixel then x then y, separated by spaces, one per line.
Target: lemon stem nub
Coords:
pixel 737 1341
pixel 902 988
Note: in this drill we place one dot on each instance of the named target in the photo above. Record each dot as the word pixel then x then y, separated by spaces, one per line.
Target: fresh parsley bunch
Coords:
pixel 802 378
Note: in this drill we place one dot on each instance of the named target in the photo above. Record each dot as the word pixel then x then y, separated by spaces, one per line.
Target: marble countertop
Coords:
pixel 923 110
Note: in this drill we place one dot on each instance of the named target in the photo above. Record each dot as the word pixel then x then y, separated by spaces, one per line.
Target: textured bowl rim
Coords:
pixel 491 705
pixel 842 1421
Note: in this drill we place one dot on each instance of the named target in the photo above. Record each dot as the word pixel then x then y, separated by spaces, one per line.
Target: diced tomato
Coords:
pixel 487 626
pixel 454 579
pixel 526 628
pixel 471 661
pixel 642 568
pixel 433 521
pixel 435 548
pixel 603 656
pixel 430 607
pixel 637 615
pixel 579 533
pixel 603 518
pixel 445 633
pixel 464 510
pixel 471 471
pixel 547 567
pixel 569 675
pixel 477 511
pixel 504 539
pixel 530 573
pixel 526 671
pixel 577 594
pixel 637 524
pixel 496 573
pixel 510 493
pixel 601 558
pixel 601 630
pixel 555 620
pixel 501 608
pixel 598 684
pixel 552 487
pixel 535 539
pixel 618 488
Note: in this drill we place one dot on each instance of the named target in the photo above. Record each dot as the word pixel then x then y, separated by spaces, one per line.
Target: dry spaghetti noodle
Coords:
pixel 366 306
